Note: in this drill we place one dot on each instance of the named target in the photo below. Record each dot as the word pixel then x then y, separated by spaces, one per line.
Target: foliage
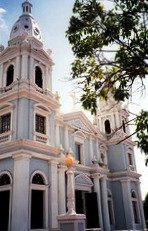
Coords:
pixel 142 131
pixel 111 52
pixel 145 207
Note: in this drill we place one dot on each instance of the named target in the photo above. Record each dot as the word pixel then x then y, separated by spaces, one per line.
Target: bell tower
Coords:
pixel 25 80
pixel 112 118
pixel 112 122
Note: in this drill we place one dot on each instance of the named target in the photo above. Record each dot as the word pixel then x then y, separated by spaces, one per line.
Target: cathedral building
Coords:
pixel 35 137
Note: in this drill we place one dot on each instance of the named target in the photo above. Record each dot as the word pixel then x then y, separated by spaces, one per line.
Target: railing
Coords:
pixel 93 229
pixel 4 137
pixel 41 138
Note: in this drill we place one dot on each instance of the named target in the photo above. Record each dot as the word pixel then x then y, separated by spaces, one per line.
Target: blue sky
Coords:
pixel 53 17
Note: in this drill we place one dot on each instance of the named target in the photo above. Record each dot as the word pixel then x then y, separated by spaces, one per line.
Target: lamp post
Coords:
pixel 71 221
pixel 69 160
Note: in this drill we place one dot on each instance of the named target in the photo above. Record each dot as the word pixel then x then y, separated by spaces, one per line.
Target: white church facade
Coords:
pixel 35 136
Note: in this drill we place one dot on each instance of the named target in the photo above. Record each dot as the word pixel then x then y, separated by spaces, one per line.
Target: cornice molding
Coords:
pixel 28 146
pixel 13 94
pixel 130 174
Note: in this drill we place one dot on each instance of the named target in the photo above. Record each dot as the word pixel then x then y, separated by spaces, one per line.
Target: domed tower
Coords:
pixel 24 59
pixel 25 76
pixel 27 127
pixel 25 28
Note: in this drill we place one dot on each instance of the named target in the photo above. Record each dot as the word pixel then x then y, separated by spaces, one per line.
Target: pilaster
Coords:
pixel 24 67
pixel 61 187
pixel 31 68
pixel 57 135
pixel 17 68
pixel 106 221
pixel 66 140
pixel 141 207
pixel 1 75
pixel 126 192
pixel 53 176
pixel 96 180
pixel 20 200
pixel 91 149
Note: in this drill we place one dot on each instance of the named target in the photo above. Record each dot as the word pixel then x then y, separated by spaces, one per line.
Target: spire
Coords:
pixel 26 7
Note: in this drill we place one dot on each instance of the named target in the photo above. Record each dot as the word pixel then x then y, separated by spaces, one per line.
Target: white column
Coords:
pixel 101 125
pixel 97 149
pixel 112 122
pixel 91 149
pixel 128 210
pixel 46 86
pixel 66 141
pixel 96 179
pixel 53 193
pixel 24 70
pixel 105 213
pixel 17 76
pixel 57 135
pixel 118 123
pixel 1 75
pixel 31 69
pixel 50 79
pixel 142 218
pixel 61 189
pixel 70 192
pixel 20 198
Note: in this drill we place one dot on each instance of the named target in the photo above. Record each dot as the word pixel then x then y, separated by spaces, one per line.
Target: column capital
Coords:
pixel 20 155
pixel 62 168
pixel 103 177
pixel 53 162
pixel 96 175
pixel 125 180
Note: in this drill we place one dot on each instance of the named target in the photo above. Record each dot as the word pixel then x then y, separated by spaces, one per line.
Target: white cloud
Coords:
pixel 2 21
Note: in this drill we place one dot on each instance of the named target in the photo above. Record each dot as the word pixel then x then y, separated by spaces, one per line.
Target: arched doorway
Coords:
pixel 38 203
pixel 5 186
pixel 86 200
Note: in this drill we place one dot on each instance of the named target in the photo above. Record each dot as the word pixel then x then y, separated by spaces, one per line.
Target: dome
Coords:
pixel 26 24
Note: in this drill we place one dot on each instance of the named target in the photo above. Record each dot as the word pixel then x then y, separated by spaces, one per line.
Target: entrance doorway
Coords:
pixel 86 203
pixel 4 210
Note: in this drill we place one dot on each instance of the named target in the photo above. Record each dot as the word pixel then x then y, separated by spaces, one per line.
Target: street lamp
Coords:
pixel 69 161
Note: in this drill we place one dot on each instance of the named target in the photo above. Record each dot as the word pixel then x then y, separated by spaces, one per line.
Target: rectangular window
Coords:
pixel 5 123
pixel 78 152
pixel 40 124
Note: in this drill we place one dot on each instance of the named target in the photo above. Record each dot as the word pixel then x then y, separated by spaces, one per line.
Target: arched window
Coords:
pixel 38 77
pixel 135 207
pixel 107 127
pixel 10 75
pixel 5 181
pixel 38 179
pixel 110 208
pixel 38 211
